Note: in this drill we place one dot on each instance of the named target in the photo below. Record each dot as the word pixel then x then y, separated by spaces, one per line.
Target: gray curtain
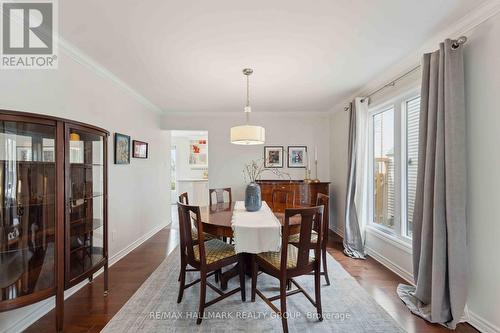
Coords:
pixel 353 242
pixel 439 219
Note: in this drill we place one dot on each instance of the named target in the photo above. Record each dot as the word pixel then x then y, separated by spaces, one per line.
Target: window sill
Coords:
pixel 402 244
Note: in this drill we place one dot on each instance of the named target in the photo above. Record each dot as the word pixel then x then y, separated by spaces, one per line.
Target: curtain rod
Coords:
pixel 455 45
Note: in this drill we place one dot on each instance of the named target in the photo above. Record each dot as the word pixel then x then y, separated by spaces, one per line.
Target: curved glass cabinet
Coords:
pixel 53 214
pixel 27 213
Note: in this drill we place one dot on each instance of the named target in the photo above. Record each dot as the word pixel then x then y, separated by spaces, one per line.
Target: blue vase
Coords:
pixel 253 199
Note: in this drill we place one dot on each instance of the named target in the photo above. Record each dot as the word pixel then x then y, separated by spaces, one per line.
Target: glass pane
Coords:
pixel 412 123
pixel 383 168
pixel 27 214
pixel 86 201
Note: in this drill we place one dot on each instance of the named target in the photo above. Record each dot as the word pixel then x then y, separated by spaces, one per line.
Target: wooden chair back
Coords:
pixel 219 195
pixel 309 217
pixel 282 199
pixel 183 198
pixel 187 214
pixel 323 200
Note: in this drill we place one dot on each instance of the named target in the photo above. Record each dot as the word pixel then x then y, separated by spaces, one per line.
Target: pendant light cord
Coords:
pixel 247 114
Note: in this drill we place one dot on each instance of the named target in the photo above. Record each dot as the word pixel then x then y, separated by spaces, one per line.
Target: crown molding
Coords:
pixel 230 114
pixel 462 26
pixel 82 58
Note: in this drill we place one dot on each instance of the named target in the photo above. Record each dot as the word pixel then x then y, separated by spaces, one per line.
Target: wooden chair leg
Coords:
pixel 242 279
pixel 203 292
pixel 317 292
pixel 217 275
pixel 284 315
pixel 325 269
pixel 182 279
pixel 255 270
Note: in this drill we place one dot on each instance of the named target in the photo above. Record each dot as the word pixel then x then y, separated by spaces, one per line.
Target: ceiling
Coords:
pixel 187 56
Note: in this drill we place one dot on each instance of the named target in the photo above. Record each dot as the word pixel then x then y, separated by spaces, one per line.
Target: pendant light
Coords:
pixel 248 134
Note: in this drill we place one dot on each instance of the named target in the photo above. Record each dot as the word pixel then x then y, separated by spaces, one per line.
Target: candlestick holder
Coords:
pixel 307 178
pixel 316 180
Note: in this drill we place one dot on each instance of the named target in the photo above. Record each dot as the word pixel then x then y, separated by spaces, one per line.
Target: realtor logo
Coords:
pixel 28 35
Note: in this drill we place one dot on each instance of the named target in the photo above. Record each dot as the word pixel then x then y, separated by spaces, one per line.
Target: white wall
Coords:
pixel 138 193
pixel 227 160
pixel 339 136
pixel 482 77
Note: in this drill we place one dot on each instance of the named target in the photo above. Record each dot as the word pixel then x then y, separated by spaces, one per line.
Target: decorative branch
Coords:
pixel 254 170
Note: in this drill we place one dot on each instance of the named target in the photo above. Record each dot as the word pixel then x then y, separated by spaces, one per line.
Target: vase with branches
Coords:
pixel 253 172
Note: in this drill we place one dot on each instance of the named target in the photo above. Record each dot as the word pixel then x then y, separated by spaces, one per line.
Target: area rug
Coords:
pixel 347 306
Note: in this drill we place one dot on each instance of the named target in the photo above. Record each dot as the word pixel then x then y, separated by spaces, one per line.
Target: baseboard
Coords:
pixel 482 324
pixel 45 306
pixel 337 230
pixel 401 272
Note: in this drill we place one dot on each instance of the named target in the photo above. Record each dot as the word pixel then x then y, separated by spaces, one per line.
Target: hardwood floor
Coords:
pixel 88 311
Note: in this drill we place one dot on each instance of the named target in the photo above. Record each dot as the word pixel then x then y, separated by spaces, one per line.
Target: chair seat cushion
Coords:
pixel 215 250
pixel 295 238
pixel 274 258
pixel 194 235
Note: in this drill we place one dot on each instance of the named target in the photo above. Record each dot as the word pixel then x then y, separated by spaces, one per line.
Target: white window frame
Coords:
pixel 398 104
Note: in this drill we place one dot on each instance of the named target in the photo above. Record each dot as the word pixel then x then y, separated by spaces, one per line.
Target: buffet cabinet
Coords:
pixel 53 215
pixel 304 193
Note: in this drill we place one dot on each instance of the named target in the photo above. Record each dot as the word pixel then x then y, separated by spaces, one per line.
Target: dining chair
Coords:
pixel 282 199
pixel 321 200
pixel 207 257
pixel 219 195
pixel 292 261
pixel 184 199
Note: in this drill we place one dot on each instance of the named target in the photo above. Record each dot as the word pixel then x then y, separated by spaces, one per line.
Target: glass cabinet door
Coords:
pixel 85 203
pixel 27 209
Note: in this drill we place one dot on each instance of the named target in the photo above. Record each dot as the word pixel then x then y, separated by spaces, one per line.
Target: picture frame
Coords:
pixel 122 148
pixel 273 156
pixel 140 149
pixel 198 153
pixel 297 156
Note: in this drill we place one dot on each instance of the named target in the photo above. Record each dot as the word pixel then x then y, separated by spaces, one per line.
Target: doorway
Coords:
pixel 189 166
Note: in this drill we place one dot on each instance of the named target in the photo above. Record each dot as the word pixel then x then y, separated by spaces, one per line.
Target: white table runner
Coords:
pixel 255 232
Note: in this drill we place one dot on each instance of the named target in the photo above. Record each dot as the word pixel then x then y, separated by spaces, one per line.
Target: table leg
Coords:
pixel 234 271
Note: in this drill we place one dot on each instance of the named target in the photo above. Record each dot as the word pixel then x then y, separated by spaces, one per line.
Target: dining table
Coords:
pixel 216 221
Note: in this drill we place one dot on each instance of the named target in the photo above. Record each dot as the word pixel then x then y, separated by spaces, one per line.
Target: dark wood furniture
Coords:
pixel 217 221
pixel 305 193
pixel 53 217
pixel 292 261
pixel 183 198
pixel 282 199
pixel 219 195
pixel 207 257
pixel 322 200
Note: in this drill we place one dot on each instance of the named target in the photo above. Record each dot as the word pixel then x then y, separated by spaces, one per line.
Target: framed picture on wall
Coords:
pixel 273 156
pixel 297 156
pixel 122 149
pixel 140 149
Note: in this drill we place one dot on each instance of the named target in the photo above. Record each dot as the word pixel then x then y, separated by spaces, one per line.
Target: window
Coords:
pixel 383 168
pixel 393 156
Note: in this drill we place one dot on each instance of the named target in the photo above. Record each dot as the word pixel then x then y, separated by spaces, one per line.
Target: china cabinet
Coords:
pixel 53 215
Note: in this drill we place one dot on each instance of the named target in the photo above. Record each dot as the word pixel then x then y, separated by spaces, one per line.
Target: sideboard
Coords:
pixel 305 193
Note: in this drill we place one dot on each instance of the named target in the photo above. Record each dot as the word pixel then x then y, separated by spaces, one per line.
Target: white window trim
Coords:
pixel 398 103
